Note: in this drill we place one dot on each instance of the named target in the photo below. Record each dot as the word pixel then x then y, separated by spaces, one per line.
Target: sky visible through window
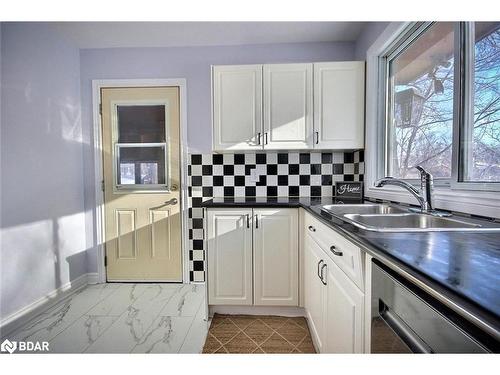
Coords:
pixel 422 107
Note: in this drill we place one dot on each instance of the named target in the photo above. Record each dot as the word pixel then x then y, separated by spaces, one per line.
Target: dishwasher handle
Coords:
pixel 409 337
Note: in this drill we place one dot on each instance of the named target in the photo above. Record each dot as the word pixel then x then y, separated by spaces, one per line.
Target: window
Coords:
pixel 442 103
pixel 140 149
pixel 421 105
pixel 481 134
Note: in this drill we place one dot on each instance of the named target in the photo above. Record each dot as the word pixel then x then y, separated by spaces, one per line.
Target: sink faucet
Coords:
pixel 424 195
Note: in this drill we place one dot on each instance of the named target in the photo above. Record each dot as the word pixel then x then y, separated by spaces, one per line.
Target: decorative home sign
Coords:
pixel 349 189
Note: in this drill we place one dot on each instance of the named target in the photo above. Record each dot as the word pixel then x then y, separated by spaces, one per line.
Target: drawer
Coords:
pixel 344 253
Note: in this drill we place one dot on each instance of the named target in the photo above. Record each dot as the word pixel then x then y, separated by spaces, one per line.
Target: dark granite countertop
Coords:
pixel 466 266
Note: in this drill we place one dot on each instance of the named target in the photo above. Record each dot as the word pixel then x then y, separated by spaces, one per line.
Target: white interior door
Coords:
pixel 276 252
pixel 237 107
pixel 229 257
pixel 339 105
pixel 288 106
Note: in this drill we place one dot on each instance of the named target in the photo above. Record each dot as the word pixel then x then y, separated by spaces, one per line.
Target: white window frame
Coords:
pixel 453 197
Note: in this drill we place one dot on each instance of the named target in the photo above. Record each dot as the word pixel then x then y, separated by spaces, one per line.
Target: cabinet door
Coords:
pixel 314 292
pixel 288 106
pixel 339 105
pixel 237 107
pixel 344 312
pixel 276 252
pixel 229 251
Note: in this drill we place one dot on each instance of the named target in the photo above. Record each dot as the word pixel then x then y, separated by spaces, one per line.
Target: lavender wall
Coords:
pixel 193 64
pixel 42 218
pixel 368 35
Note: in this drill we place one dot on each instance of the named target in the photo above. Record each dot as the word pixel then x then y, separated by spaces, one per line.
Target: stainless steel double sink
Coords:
pixel 389 218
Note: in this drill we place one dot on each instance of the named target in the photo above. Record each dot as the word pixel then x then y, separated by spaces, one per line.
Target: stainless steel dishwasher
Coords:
pixel 406 320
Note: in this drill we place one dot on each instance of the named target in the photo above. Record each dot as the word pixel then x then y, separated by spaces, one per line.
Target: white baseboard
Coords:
pixel 290 311
pixel 24 315
pixel 93 278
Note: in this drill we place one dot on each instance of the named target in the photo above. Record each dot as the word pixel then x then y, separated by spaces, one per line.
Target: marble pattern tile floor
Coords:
pixel 123 318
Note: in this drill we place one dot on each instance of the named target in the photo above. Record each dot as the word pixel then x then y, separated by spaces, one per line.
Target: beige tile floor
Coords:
pixel 258 334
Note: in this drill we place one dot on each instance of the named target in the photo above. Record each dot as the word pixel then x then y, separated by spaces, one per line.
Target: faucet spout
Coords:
pixel 405 185
pixel 424 196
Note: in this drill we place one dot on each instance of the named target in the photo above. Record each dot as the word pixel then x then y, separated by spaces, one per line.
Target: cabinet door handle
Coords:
pixel 265 137
pixel 317 270
pixel 317 137
pixel 335 252
pixel 256 221
pixel 321 273
pixel 311 228
pixel 248 221
pixel 258 138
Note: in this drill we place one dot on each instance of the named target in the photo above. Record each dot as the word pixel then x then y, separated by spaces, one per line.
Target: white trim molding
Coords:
pixel 98 214
pixel 482 203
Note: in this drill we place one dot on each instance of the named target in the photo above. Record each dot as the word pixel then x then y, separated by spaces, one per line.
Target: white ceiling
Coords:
pixel 176 34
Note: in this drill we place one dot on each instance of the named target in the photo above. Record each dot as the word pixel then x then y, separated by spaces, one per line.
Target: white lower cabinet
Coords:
pixel 314 292
pixel 334 303
pixel 276 257
pixel 230 257
pixel 344 312
pixel 253 257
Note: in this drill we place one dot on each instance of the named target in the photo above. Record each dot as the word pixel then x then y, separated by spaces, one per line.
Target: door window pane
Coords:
pixel 127 173
pixel 482 156
pixel 141 165
pixel 141 123
pixel 420 104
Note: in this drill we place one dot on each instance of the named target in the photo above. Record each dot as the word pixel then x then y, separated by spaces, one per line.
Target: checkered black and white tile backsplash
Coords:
pixel 294 174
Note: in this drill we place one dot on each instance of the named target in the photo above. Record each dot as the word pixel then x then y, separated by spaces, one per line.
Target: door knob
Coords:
pixel 172 201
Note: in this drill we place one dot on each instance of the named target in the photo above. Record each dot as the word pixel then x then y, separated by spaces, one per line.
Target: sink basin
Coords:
pixel 412 222
pixel 370 209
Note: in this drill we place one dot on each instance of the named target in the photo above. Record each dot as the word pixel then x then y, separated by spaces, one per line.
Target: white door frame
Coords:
pixel 98 221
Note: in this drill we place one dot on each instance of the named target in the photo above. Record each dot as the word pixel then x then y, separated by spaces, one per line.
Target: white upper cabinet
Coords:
pixel 339 105
pixel 237 107
pixel 276 257
pixel 288 105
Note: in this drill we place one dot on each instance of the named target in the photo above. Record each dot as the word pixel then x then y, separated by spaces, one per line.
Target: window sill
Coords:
pixel 483 203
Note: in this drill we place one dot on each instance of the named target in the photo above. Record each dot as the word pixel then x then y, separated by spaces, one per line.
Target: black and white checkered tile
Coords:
pixel 293 174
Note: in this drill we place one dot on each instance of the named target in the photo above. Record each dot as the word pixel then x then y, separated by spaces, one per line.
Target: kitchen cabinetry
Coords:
pixel 288 106
pixel 230 257
pixel 314 292
pixel 339 105
pixel 265 273
pixel 237 107
pixel 344 312
pixel 334 303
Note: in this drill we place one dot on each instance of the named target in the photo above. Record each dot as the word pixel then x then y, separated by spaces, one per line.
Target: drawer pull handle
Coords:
pixel 317 271
pixel 335 252
pixel 323 280
pixel 311 228
pixel 248 221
